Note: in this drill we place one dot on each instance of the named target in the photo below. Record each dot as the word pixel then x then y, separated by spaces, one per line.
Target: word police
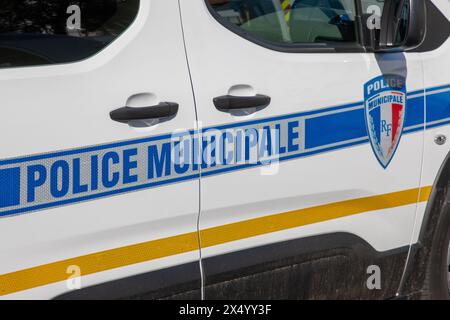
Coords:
pixel 385 83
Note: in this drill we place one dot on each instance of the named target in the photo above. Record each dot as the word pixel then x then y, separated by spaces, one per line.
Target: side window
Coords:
pixel 373 10
pixel 292 21
pixel 59 31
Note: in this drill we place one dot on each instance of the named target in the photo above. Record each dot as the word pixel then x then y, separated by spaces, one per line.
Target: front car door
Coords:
pixel 315 148
pixel 82 202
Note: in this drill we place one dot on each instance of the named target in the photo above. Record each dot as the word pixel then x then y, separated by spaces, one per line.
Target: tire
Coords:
pixel 436 284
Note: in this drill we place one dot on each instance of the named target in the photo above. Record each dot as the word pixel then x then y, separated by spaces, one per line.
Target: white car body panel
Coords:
pixel 79 97
pixel 297 82
pixel 177 51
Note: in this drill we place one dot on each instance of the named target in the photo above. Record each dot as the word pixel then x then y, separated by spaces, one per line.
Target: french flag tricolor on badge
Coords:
pixel 385 108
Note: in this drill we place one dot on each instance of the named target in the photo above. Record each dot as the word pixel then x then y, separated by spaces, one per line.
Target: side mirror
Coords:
pixel 402 27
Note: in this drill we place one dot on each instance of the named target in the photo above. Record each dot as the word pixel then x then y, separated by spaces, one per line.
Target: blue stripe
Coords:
pixel 439 124
pixel 415 113
pixel 438 106
pixel 349 125
pixel 335 128
pixel 96 196
pixel 429 90
pixel 9 187
pixel 168 136
pixel 416 92
pixel 338 125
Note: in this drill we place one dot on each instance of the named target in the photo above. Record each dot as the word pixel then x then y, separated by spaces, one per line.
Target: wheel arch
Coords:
pixel 435 215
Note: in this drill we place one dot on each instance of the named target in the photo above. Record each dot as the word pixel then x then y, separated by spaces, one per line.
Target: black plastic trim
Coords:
pixel 438 29
pixel 160 111
pixel 229 103
pixel 330 266
pixel 179 282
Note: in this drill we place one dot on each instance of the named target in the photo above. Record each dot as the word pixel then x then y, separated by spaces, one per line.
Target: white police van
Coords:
pixel 224 149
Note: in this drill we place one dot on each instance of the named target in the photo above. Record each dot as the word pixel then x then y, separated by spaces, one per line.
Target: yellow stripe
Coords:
pixel 96 262
pixel 298 218
pixel 147 251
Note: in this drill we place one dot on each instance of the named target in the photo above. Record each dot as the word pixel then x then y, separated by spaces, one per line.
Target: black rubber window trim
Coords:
pixel 294 48
pixel 438 29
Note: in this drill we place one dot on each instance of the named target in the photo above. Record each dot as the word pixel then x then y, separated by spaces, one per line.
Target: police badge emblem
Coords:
pixel 385 108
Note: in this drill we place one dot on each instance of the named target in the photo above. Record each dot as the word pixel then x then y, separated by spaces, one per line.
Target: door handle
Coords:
pixel 160 111
pixel 232 103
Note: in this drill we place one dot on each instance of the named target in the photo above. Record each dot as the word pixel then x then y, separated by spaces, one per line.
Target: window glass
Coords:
pixel 403 24
pixel 38 32
pixel 371 6
pixel 292 21
pixel 373 10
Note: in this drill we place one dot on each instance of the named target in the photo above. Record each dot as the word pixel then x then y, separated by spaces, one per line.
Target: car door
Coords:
pixel 80 204
pixel 300 198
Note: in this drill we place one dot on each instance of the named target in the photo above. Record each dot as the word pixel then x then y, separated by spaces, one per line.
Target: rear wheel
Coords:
pixel 448 266
pixel 437 282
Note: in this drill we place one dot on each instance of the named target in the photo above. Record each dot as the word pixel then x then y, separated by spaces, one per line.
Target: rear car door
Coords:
pixel 82 205
pixel 314 148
